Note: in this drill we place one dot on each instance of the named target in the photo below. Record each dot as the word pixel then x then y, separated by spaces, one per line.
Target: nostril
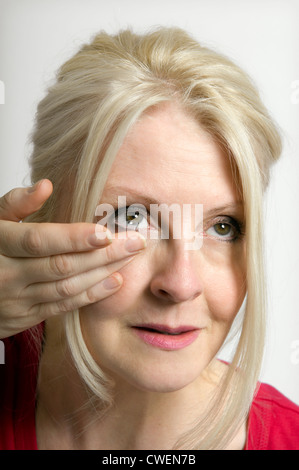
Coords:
pixel 169 289
pixel 163 293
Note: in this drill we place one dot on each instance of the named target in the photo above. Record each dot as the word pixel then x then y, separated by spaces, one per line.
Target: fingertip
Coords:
pixel 44 184
pixel 113 282
pixel 101 235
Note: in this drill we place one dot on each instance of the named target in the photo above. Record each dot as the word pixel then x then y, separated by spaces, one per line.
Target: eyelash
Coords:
pixel 125 210
pixel 235 224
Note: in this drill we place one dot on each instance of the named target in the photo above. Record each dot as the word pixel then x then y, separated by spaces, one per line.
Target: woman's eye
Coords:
pixel 228 230
pixel 131 218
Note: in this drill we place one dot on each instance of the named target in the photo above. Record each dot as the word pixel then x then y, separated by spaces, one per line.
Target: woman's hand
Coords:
pixel 49 268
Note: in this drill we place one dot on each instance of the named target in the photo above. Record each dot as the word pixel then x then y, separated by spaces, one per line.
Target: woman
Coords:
pixel 130 322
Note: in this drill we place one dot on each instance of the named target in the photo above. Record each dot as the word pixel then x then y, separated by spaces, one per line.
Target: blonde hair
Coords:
pixel 81 124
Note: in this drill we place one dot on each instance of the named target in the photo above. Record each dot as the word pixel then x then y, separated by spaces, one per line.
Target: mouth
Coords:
pixel 165 337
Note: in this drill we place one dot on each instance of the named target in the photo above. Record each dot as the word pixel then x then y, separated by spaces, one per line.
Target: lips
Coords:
pixel 166 337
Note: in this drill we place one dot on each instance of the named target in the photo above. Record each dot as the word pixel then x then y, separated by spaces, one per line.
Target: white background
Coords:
pixel 36 36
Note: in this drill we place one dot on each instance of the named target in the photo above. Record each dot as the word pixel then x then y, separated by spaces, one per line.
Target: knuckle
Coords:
pixel 39 311
pixel 110 254
pixel 63 306
pixel 47 310
pixel 90 297
pixel 32 241
pixel 61 265
pixel 8 275
pixel 66 288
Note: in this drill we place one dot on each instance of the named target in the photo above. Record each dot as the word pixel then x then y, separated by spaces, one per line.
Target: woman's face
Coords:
pixel 176 305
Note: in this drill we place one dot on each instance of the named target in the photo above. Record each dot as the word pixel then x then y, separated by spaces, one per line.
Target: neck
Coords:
pixel 146 420
pixel 67 418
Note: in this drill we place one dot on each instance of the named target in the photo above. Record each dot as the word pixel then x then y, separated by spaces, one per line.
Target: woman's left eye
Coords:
pixel 131 218
pixel 226 230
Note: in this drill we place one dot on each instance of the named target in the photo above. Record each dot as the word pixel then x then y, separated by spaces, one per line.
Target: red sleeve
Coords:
pixel 273 421
pixel 18 380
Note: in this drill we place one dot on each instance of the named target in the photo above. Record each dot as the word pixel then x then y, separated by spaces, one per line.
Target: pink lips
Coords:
pixel 165 337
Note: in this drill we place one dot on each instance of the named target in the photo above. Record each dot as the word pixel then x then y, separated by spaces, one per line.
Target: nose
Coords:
pixel 176 277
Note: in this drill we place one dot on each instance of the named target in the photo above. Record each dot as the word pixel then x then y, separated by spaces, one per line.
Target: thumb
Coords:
pixel 21 202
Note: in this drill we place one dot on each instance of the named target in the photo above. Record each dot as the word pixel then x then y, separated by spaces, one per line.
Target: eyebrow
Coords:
pixel 134 197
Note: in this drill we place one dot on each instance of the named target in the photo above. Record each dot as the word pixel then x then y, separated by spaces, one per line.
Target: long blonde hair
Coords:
pixel 81 124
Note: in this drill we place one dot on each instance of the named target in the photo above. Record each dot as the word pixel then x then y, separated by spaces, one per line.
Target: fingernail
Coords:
pixel 136 242
pixel 99 237
pixel 111 282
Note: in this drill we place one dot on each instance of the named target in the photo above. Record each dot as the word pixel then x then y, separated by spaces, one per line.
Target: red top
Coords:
pixel 273 419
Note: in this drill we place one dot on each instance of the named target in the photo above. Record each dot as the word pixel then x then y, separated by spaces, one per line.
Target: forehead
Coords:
pixel 171 156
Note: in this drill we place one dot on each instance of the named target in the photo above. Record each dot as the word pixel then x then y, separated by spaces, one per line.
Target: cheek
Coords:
pixel 135 278
pixel 225 283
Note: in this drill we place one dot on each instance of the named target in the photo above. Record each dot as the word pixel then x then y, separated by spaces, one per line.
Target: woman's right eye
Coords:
pixel 131 218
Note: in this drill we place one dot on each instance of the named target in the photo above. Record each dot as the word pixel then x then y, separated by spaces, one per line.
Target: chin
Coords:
pixel 161 380
pixel 165 387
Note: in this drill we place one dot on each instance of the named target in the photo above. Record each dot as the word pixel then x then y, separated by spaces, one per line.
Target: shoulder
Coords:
pixel 273 421
pixel 18 379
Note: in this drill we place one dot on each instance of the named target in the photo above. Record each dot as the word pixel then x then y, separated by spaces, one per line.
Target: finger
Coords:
pixel 96 293
pixel 35 240
pixel 21 202
pixel 44 292
pixel 66 265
